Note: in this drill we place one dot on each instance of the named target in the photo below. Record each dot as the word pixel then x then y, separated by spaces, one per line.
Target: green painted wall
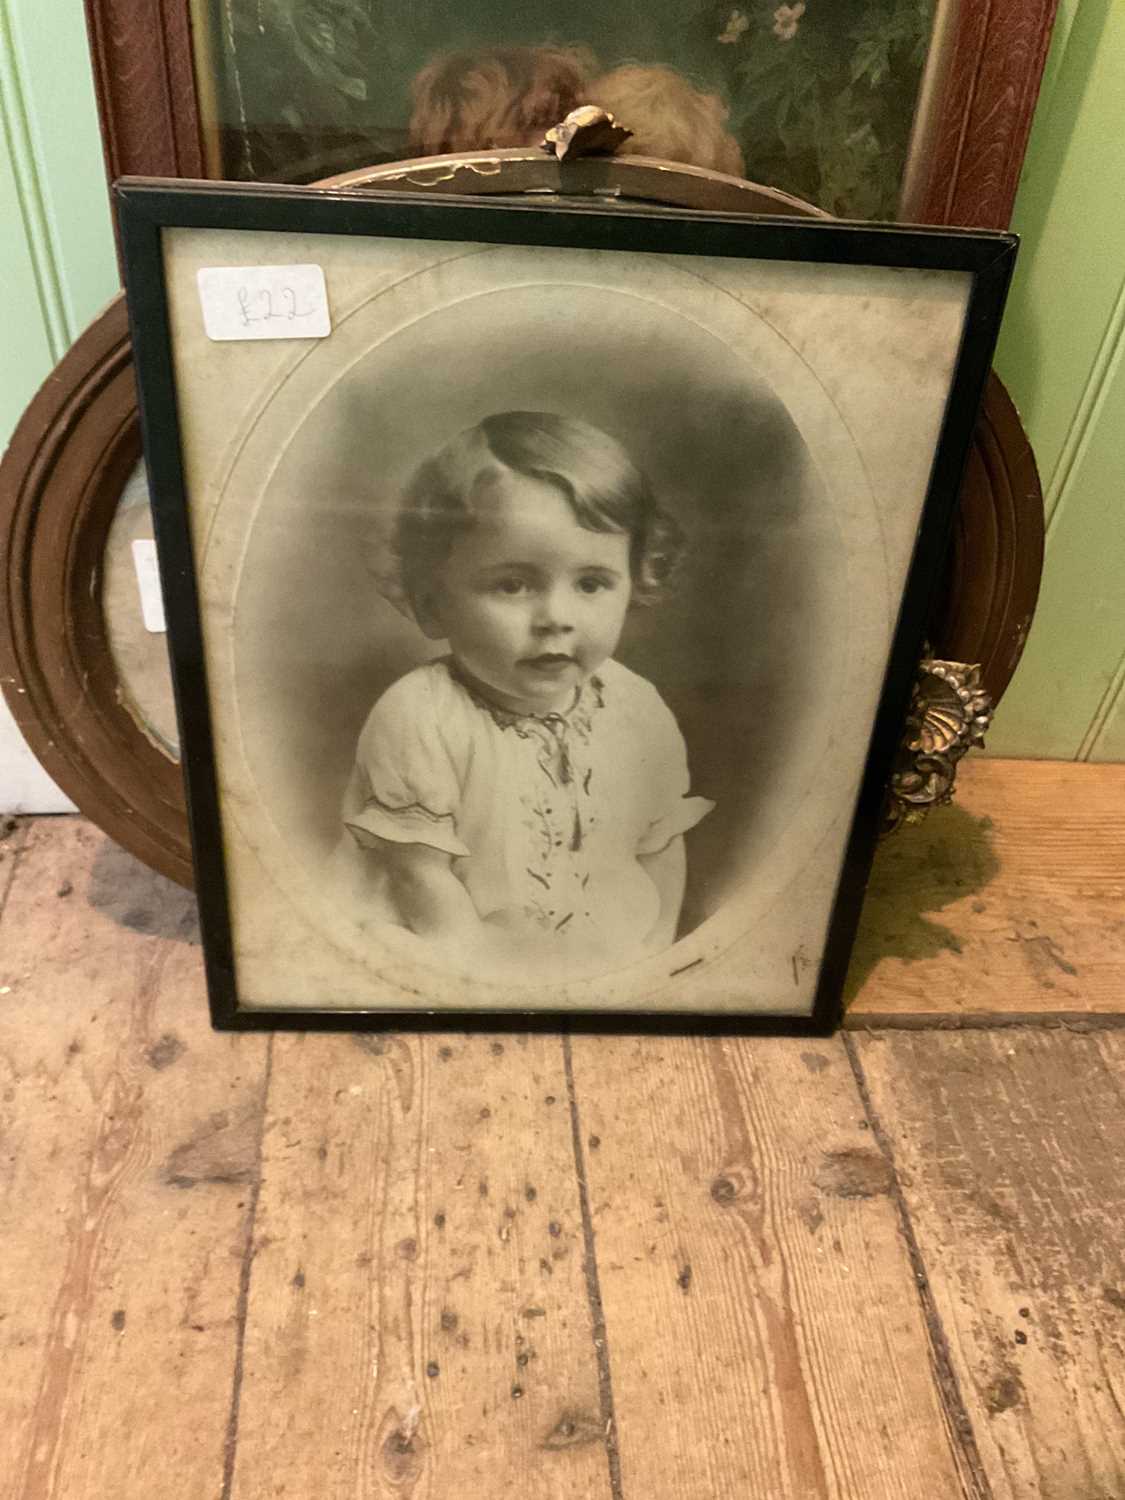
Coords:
pixel 57 264
pixel 1061 356
pixel 58 255
pixel 1060 352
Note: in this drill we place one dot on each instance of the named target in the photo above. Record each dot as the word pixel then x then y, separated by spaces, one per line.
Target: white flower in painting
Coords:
pixel 786 19
pixel 737 25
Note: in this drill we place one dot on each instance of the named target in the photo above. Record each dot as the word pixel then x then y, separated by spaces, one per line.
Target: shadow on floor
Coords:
pixel 133 896
pixel 916 872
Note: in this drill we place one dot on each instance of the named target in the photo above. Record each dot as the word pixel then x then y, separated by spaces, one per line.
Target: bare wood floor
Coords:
pixel 446 1266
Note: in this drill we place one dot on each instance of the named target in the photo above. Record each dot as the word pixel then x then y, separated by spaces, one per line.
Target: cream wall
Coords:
pixel 1060 351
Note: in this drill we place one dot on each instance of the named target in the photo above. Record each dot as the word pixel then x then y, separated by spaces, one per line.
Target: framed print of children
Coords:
pixel 522 800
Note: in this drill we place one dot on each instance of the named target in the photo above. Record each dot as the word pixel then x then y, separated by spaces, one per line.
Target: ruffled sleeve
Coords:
pixel 673 811
pixel 404 787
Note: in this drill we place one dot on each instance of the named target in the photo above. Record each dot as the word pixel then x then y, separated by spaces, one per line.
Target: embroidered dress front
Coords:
pixel 544 816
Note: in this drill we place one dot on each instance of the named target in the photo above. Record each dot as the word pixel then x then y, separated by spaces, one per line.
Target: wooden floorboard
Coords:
pixel 1009 1146
pixel 436 1266
pixel 127 1151
pixel 419 1241
pixel 764 1330
pixel 1010 903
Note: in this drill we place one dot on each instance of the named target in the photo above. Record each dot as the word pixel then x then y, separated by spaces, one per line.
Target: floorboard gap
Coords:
pixel 593 1284
pixel 13 842
pixel 957 1421
pixel 1052 1020
pixel 230 1442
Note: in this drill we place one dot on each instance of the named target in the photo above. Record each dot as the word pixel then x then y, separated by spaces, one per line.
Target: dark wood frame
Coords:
pixel 60 485
pixel 144 71
pixel 144 77
pixel 147 209
pixel 995 562
pixel 985 105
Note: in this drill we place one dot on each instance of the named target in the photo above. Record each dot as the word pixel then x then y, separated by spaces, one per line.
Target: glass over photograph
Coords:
pixel 545 604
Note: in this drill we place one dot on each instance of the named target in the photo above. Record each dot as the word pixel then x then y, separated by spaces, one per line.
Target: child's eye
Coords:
pixel 593 583
pixel 509 586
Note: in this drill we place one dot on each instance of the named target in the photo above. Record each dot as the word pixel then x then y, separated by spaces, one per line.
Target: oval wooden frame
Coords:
pixel 79 440
pixel 517 170
pixel 60 483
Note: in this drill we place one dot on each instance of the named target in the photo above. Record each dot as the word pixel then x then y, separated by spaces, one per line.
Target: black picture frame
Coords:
pixel 147 208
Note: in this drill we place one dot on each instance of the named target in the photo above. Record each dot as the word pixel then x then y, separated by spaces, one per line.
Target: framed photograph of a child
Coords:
pixel 544 587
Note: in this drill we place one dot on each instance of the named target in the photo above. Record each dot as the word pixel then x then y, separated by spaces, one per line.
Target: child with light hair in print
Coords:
pixel 669 117
pixel 521 801
pixel 494 97
pixel 510 96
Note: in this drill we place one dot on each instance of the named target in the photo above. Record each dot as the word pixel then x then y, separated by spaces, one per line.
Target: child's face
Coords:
pixel 530 601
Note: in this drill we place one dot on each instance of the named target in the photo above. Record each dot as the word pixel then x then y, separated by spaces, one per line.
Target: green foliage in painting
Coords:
pixel 297 78
pixel 821 93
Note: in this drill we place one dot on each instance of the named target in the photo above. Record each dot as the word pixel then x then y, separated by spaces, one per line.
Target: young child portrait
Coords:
pixel 520 802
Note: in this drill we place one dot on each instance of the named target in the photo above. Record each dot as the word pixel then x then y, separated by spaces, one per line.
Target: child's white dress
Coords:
pixel 544 815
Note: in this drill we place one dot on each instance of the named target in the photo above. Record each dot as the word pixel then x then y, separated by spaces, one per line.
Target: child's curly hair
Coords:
pixel 669 117
pixel 602 485
pixel 498 97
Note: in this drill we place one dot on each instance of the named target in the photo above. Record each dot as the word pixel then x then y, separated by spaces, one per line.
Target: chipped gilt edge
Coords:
pixel 950 713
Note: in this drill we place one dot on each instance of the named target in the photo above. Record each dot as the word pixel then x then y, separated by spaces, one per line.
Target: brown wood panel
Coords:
pixel 985 109
pixel 144 76
pixel 1009 903
pixel 129 1136
pixel 987 600
pixel 1009 1147
pixel 418 1321
pixel 765 1334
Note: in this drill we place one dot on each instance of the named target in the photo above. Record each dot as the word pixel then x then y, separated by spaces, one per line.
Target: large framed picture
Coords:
pixel 917 110
pixel 544 587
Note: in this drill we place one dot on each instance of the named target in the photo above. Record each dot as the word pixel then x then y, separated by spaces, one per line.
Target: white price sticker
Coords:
pixel 148 582
pixel 264 302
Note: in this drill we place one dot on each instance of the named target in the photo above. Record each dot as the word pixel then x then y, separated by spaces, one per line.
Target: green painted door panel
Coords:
pixel 1070 214
pixel 1065 687
pixel 54 155
pixel 54 64
pixel 27 353
pixel 1060 354
pixel 57 263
